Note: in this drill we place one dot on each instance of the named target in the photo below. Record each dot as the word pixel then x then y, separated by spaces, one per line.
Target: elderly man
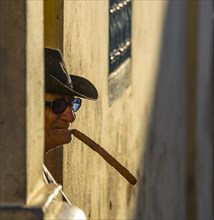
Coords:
pixel 63 93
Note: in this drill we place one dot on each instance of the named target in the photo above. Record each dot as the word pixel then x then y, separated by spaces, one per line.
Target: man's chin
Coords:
pixel 62 141
pixel 63 132
pixel 58 138
pixel 66 139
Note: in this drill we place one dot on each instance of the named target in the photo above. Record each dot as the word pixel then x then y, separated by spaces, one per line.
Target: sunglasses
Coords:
pixel 59 105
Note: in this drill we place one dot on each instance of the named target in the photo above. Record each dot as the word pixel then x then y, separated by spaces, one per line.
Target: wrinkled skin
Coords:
pixel 57 126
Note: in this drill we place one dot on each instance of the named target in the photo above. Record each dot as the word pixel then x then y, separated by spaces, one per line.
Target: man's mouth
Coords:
pixel 64 127
pixel 68 128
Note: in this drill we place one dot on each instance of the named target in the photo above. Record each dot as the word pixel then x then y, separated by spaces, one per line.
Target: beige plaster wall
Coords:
pixel 162 185
pixel 35 96
pixel 17 42
pixel 121 128
pixel 53 21
pixel 85 51
pixel 21 100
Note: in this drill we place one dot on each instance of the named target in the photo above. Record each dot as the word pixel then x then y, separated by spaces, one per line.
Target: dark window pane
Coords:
pixel 119 32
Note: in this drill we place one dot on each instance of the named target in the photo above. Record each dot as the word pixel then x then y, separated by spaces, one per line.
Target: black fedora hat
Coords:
pixel 59 81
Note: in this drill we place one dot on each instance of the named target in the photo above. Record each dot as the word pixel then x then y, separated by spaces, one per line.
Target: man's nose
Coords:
pixel 68 115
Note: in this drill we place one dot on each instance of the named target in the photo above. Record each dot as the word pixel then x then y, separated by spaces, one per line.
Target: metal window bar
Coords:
pixel 119 32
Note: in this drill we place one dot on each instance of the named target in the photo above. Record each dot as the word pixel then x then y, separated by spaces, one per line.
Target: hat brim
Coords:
pixel 81 87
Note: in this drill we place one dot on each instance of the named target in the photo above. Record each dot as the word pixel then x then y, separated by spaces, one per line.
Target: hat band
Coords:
pixel 69 85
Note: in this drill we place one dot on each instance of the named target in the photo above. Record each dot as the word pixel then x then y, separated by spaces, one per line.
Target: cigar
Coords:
pixel 105 155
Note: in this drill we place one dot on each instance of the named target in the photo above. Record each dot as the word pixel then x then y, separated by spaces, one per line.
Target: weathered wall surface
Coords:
pixel 149 117
pixel 205 113
pixel 21 100
pixel 159 127
pixel 162 179
pixel 150 128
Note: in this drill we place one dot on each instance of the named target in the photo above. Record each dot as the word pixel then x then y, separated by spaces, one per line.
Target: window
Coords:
pixel 119 47
pixel 119 33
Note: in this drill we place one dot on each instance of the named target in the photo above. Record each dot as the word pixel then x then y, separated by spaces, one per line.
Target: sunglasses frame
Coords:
pixel 71 103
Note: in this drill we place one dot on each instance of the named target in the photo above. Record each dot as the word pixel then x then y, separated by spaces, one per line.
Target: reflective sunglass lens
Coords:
pixel 76 105
pixel 59 106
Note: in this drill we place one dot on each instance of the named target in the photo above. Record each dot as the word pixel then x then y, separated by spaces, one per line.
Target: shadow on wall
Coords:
pixel 162 182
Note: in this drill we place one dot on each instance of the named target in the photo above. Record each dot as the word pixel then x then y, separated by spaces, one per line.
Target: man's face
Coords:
pixel 57 130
